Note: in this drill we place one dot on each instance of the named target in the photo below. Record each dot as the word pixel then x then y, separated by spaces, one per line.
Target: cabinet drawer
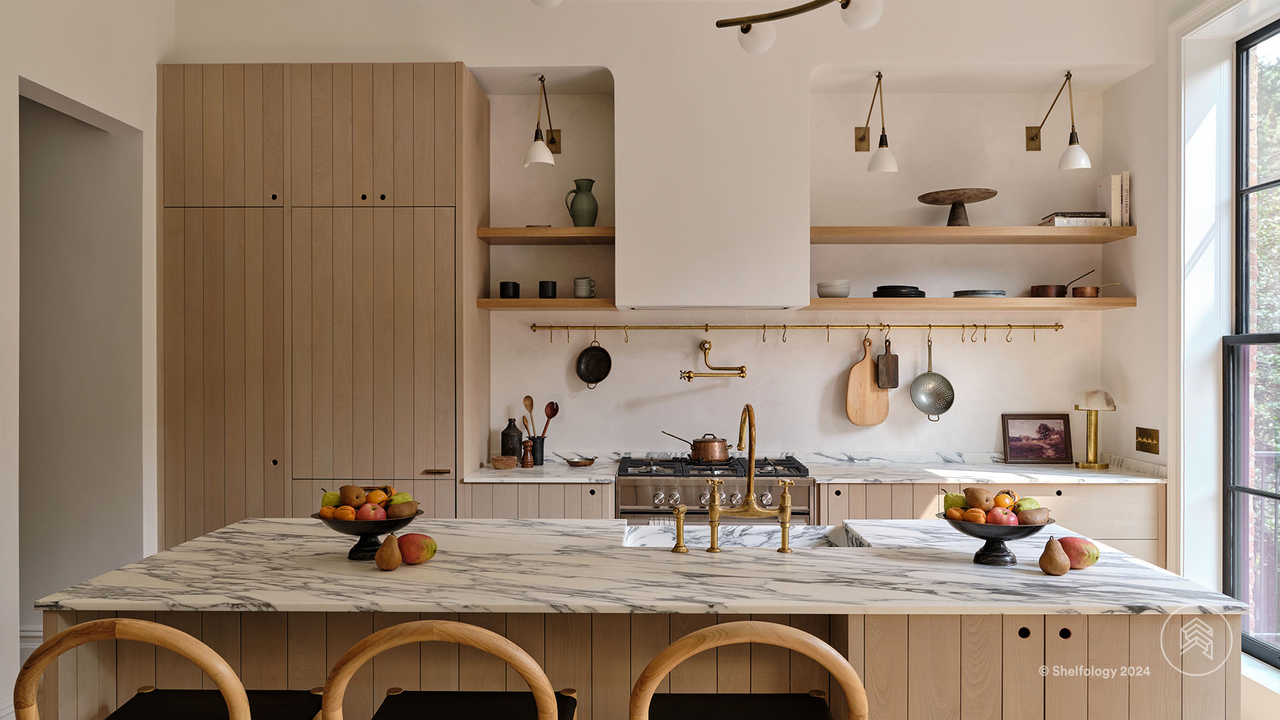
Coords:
pixel 1120 512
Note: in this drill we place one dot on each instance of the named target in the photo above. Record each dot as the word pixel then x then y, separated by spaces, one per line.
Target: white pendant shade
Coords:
pixel 1074 158
pixel 759 38
pixel 547 4
pixel 862 14
pixel 882 160
pixel 539 153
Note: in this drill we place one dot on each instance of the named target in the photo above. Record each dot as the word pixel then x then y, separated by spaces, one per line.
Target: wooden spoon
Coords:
pixel 525 420
pixel 528 407
pixel 552 409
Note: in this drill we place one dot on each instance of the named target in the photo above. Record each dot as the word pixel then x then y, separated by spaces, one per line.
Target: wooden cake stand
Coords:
pixel 956 199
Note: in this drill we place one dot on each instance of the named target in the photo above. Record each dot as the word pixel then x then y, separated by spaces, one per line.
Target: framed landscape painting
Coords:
pixel 1037 438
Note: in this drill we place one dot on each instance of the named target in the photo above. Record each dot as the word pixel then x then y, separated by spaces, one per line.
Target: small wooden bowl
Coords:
pixel 504 462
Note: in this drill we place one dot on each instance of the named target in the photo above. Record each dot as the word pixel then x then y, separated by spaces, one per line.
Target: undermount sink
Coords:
pixel 740 536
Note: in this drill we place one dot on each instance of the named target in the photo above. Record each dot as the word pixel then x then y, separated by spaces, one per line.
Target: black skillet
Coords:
pixel 593 364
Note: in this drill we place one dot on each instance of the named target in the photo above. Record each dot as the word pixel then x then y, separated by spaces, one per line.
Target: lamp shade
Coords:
pixel 862 14
pixel 1095 400
pixel 539 153
pixel 547 4
pixel 1074 157
pixel 882 160
pixel 757 39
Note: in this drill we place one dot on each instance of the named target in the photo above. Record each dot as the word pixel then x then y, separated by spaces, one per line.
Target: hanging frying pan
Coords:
pixel 593 364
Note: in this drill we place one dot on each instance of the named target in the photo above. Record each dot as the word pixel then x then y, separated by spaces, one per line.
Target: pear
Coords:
pixel 330 499
pixel 388 557
pixel 979 497
pixel 1025 504
pixel 954 500
pixel 351 495
pixel 402 510
pixel 400 497
pixel 1054 560
pixel 1033 516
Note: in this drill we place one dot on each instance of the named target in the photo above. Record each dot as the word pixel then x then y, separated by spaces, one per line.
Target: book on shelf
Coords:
pixel 1124 198
pixel 1076 222
pixel 1085 214
pixel 1113 197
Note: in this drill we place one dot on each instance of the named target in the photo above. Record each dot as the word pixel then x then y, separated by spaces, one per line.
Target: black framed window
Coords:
pixel 1251 356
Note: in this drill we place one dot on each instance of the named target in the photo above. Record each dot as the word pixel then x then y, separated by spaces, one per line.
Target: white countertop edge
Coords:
pixel 546 480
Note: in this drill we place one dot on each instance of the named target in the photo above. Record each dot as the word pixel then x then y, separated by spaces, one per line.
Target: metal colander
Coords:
pixel 931 392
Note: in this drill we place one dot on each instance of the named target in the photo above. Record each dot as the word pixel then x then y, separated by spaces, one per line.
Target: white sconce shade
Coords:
pixel 862 14
pixel 882 160
pixel 1100 400
pixel 757 39
pixel 539 153
pixel 1074 157
pixel 547 4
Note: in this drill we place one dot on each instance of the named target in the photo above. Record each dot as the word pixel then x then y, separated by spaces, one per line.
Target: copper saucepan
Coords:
pixel 707 448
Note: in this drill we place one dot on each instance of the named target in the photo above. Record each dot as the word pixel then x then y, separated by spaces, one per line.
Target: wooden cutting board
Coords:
pixel 866 403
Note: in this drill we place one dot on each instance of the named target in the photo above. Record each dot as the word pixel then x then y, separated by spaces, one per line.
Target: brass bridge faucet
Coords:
pixel 749 507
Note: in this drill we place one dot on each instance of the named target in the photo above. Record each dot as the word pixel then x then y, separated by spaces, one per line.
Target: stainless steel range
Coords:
pixel 648 489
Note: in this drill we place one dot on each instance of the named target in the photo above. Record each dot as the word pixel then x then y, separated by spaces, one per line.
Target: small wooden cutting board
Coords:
pixel 866 403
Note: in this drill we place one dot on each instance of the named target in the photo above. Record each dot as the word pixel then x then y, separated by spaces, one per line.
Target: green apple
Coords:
pixel 400 497
pixel 954 500
pixel 329 499
pixel 1025 504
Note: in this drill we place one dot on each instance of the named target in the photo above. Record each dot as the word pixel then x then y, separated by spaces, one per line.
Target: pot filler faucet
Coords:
pixel 749 507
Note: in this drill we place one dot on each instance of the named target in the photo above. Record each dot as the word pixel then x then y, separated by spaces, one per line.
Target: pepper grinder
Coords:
pixel 526 459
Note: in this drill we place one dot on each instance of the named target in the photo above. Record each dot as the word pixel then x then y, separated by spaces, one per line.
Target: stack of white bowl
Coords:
pixel 834 289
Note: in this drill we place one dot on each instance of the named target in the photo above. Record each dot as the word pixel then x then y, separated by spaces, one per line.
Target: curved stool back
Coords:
pixel 24 690
pixel 437 631
pixel 748 631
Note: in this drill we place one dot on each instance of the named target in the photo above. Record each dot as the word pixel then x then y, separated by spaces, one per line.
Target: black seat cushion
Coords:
pixel 209 705
pixel 795 706
pixel 447 705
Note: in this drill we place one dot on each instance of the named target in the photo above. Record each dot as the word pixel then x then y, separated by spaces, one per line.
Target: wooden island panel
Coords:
pixel 915 667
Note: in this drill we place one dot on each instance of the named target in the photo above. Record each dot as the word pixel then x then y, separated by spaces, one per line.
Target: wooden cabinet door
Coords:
pixel 223 129
pixel 536 500
pixel 372 322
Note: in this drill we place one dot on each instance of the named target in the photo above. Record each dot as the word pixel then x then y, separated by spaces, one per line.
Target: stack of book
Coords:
pixel 1113 207
pixel 1075 219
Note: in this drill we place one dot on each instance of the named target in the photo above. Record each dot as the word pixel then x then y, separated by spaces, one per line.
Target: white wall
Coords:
pixel 102 55
pixel 81 352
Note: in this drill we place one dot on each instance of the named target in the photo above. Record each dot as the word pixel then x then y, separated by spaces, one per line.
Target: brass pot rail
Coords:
pixel 967 331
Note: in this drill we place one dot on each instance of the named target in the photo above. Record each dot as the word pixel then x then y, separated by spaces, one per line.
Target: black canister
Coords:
pixel 538 443
pixel 511 437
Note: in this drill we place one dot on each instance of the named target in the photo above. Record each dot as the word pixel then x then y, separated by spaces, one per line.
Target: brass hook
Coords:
pixel 974 337
pixel 1009 337
pixel 626 336
pixel 866 337
pixel 551 334
pixel 828 333
pixel 887 329
pixel 963 327
pixel 784 333
pixel 1033 333
pixel 931 332
pixel 595 331
pixel 764 333
pixel 984 333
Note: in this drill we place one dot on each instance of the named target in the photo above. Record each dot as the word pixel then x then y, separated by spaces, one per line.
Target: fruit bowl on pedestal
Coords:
pixel 368 530
pixel 995 552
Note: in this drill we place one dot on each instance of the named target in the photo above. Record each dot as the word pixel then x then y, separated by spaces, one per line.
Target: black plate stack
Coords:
pixel 898 291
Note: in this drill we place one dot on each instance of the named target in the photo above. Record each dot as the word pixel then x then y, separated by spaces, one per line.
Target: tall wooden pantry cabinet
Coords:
pixel 314 285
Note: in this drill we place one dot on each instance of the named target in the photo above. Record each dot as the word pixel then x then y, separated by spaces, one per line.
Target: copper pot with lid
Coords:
pixel 707 448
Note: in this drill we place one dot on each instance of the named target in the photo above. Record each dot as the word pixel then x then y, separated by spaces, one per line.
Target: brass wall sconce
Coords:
pixel 1074 157
pixel 883 159
pixel 705 346
pixel 541 151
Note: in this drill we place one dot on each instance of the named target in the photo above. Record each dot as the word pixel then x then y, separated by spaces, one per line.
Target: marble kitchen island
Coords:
pixel 931 633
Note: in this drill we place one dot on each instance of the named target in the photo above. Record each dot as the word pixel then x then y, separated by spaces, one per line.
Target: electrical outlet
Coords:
pixel 1148 441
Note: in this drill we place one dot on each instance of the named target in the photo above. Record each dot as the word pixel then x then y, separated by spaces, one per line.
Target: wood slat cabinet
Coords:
pixel 373 343
pixel 222 431
pixel 536 500
pixel 222 135
pixel 838 502
pixel 372 135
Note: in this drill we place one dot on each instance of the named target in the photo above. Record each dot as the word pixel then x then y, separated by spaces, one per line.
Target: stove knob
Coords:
pixel 674 498
pixel 723 499
pixel 735 499
pixel 766 498
pixel 659 498
pixel 704 498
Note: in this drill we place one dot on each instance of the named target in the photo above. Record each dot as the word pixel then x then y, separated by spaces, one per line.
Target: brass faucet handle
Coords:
pixel 714 482
pixel 784 482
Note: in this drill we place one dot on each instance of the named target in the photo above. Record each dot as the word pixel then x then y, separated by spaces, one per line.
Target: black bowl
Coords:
pixel 995 552
pixel 369 532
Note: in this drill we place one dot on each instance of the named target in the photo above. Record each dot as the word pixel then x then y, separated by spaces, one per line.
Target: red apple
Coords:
pixel 1001 516
pixel 1083 553
pixel 371 511
pixel 417 548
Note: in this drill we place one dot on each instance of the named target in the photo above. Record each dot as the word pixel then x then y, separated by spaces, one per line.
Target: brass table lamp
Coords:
pixel 1093 402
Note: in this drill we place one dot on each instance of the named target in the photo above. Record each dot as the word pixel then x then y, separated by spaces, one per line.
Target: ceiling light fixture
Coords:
pixel 1074 157
pixel 757 36
pixel 882 160
pixel 543 151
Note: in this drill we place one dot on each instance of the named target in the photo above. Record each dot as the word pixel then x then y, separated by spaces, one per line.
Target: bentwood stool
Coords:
pixel 542 702
pixel 794 706
pixel 230 700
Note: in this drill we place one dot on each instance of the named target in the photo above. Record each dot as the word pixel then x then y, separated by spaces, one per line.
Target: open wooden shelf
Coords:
pixel 546 235
pixel 540 304
pixel 1006 304
pixel 931 235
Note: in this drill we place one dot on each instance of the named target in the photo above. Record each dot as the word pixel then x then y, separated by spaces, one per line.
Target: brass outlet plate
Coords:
pixel 1148 441
pixel 862 139
pixel 553 141
pixel 1033 139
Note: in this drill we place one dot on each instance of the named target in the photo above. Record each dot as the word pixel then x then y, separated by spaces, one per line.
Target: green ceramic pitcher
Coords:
pixel 583 208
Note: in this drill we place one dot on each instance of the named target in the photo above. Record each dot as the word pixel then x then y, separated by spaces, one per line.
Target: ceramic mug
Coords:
pixel 584 287
pixel 547 289
pixel 508 290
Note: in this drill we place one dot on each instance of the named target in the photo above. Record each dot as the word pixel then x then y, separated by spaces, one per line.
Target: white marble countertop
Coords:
pixel 581 566
pixel 968 473
pixel 554 470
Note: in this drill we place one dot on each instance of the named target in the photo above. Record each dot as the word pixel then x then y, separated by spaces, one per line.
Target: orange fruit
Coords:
pixel 975 515
pixel 1012 495
pixel 1003 501
pixel 376 497
pixel 346 512
pixel 327 512
pixel 955 513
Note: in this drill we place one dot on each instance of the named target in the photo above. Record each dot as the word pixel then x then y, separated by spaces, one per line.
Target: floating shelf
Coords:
pixel 546 235
pixel 540 304
pixel 1007 304
pixel 942 235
